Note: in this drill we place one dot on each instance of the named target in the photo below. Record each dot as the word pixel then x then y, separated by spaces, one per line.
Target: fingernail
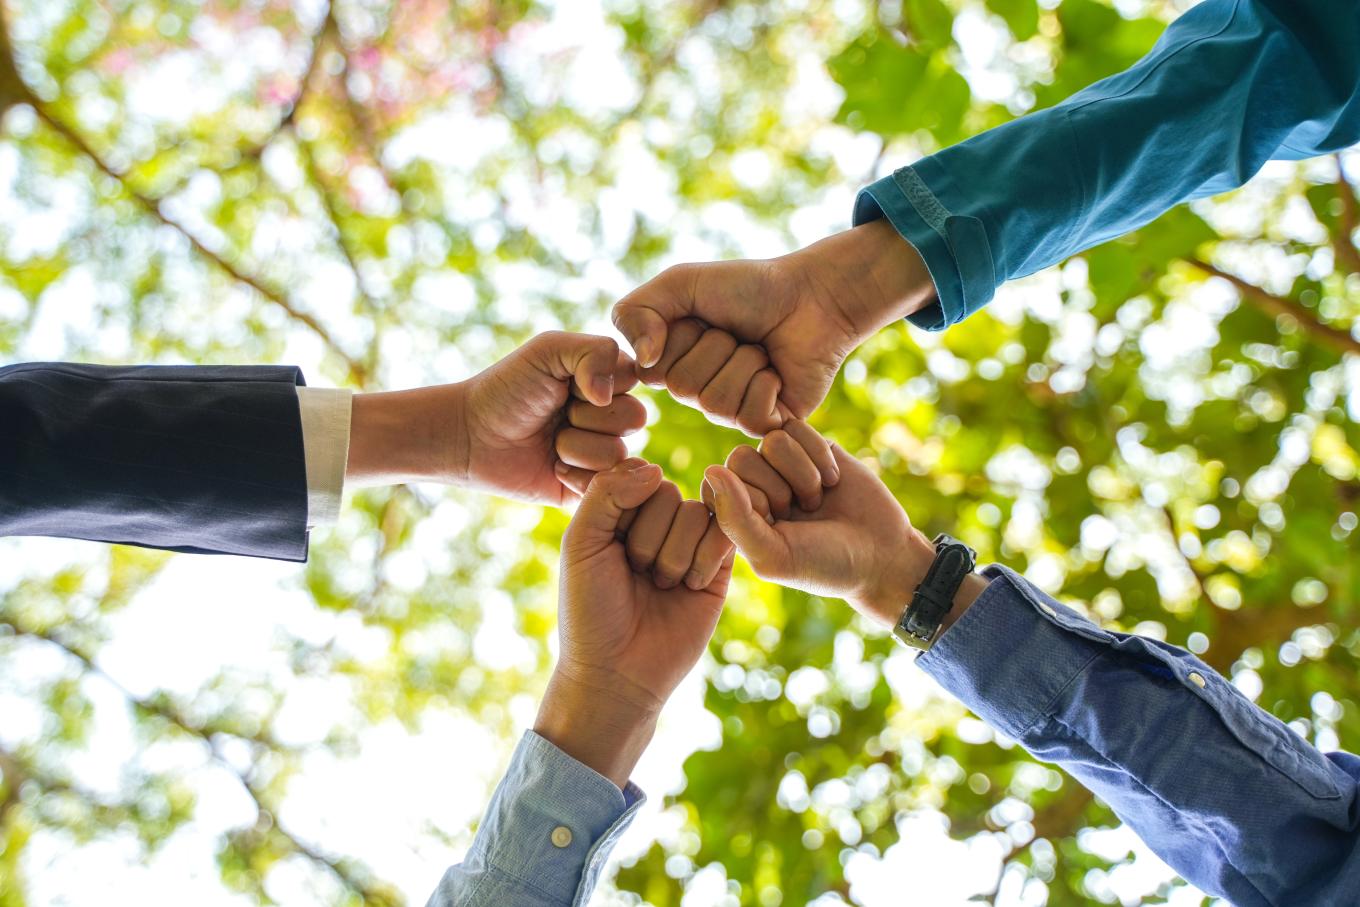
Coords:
pixel 694 580
pixel 664 582
pixel 561 468
pixel 647 352
pixel 604 388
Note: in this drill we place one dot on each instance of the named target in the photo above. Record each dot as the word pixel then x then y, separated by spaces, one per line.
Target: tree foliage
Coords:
pixel 1163 429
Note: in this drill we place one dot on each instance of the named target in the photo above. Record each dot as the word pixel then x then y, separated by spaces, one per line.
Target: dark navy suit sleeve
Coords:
pixel 201 459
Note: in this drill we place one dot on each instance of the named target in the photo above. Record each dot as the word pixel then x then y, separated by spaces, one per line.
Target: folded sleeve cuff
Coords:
pixel 553 823
pixel 325 440
pixel 954 247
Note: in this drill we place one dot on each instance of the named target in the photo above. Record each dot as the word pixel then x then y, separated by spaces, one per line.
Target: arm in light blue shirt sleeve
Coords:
pixel 1231 85
pixel 1226 794
pixel 546 835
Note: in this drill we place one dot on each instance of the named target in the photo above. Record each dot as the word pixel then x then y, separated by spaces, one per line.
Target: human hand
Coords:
pixel 850 541
pixel 785 324
pixel 626 641
pixel 505 430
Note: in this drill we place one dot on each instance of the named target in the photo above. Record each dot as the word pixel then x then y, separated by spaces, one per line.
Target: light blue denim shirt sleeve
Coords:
pixel 1230 85
pixel 515 861
pixel 1226 794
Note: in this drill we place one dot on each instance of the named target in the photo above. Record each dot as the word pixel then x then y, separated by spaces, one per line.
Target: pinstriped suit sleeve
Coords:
pixel 198 459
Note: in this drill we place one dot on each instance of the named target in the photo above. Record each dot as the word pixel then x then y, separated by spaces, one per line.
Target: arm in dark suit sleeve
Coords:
pixel 200 459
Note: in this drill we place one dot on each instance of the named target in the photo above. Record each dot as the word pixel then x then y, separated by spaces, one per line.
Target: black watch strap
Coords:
pixel 920 623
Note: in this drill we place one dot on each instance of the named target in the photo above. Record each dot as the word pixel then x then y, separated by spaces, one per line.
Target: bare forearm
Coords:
pixel 873 275
pixel 407 436
pixel 591 721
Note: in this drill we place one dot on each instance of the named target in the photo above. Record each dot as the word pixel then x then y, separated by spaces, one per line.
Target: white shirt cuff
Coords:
pixel 325 441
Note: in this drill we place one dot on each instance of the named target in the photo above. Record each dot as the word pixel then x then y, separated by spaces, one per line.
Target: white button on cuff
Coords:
pixel 561 836
pixel 1197 679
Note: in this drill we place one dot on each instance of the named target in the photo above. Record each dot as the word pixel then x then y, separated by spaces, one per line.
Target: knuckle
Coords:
pixel 716 400
pixel 775 440
pixel 683 383
pixel 741 454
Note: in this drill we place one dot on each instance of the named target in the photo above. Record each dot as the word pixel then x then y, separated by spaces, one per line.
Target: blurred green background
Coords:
pixel 396 193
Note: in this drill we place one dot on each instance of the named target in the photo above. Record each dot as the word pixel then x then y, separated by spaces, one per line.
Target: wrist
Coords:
pixel 414 435
pixel 904 566
pixel 869 273
pixel 598 719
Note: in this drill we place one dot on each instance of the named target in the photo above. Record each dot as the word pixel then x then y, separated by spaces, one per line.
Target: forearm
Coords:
pixel 594 722
pixel 203 459
pixel 1231 85
pixel 867 274
pixel 408 436
pixel 1221 790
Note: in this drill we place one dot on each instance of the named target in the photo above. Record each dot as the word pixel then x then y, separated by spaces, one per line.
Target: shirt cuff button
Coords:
pixel 1197 679
pixel 561 837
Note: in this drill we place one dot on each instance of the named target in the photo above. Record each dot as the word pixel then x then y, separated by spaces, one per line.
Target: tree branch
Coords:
pixel 152 207
pixel 12 88
pixel 351 878
pixel 1347 252
pixel 1334 337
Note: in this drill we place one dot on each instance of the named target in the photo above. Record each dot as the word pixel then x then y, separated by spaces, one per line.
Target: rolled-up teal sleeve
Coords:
pixel 546 836
pixel 1230 85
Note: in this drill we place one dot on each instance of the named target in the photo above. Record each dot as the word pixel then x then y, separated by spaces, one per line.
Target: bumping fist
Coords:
pixel 730 382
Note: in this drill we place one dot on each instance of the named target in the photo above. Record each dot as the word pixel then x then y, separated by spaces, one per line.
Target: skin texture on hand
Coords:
pixel 556 408
pixel 785 325
pixel 854 541
pixel 626 642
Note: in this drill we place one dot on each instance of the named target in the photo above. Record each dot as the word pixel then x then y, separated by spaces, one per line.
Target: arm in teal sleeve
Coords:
pixel 1231 85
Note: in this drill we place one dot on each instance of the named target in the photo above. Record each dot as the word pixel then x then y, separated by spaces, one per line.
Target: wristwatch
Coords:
pixel 920 623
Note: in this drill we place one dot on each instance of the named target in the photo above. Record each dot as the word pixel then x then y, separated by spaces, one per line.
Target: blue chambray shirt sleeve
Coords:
pixel 1230 85
pixel 1225 793
pixel 514 862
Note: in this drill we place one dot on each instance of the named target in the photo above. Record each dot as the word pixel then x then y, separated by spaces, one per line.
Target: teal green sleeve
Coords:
pixel 1231 85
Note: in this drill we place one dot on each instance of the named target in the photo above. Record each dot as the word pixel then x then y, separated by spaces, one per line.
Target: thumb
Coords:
pixel 589 360
pixel 644 315
pixel 606 499
pixel 645 330
pixel 756 539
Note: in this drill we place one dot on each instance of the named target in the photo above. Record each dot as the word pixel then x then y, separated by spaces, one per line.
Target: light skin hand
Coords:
pixel 626 642
pixel 505 430
pixel 856 543
pixel 789 323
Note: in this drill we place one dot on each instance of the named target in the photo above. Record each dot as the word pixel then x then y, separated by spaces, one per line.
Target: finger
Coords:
pixel 650 527
pixel 587 359
pixel 574 478
pixel 625 374
pixel 795 466
pixel 681 339
pixel 623 416
pixel 644 315
pixel 677 552
pixel 588 449
pixel 607 497
pixel 817 448
pixel 714 548
pixel 696 368
pixel 755 538
pixel 722 397
pixel 753 469
pixel 759 412
pixel 759 502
